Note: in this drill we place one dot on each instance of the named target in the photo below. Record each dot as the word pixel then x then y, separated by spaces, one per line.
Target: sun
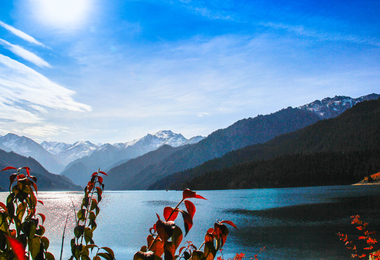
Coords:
pixel 62 14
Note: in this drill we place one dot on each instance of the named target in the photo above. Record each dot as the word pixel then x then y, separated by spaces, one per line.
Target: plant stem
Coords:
pixel 63 236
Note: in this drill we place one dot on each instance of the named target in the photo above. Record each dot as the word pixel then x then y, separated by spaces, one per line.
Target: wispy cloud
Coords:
pixel 20 34
pixel 25 54
pixel 303 31
pixel 27 97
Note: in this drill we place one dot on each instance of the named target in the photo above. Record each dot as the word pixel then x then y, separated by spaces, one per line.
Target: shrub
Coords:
pixel 22 231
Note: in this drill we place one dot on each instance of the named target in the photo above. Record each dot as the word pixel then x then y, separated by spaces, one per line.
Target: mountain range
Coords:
pixel 341 150
pixel 140 163
pixel 241 134
pixel 106 156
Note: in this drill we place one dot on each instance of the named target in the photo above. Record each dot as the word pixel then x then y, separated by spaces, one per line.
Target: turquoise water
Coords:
pixel 291 223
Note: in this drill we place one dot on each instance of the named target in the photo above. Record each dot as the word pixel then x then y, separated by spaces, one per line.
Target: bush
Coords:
pixel 22 231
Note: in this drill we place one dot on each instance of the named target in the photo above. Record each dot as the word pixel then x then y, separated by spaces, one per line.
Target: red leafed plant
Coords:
pixel 20 224
pixel 82 243
pixel 22 232
pixel 367 241
pixel 165 236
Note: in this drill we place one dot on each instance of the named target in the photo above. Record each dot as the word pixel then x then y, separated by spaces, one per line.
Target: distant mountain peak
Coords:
pixel 332 107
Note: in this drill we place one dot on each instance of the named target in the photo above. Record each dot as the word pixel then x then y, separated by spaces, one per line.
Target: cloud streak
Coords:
pixel 27 96
pixel 20 34
pixel 25 54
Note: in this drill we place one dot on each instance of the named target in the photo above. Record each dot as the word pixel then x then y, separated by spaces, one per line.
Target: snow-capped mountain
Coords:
pixel 154 141
pixel 108 155
pixel 332 107
pixel 54 147
pixel 70 152
pixel 27 147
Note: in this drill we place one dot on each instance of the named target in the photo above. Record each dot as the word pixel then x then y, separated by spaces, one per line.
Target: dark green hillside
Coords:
pixel 45 180
pixel 316 169
pixel 356 130
pixel 242 133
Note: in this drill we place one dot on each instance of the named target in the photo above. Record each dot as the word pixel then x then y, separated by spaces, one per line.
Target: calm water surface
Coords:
pixel 291 223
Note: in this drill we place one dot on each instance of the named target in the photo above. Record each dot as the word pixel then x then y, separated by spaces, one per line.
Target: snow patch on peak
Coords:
pixel 332 107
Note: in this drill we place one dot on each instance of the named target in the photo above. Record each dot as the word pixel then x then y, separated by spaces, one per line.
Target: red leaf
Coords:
pixel 8 168
pixel 229 223
pixel 100 179
pixel 158 216
pixel 371 241
pixel 190 208
pixel 191 194
pixel 170 212
pixel 40 201
pixel 188 221
pixel 103 173
pixel 43 217
pixel 35 187
pixel 93 174
pixel 2 205
pixel 27 170
pixel 165 229
pixel 17 248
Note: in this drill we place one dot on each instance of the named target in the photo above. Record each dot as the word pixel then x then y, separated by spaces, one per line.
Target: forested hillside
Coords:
pixel 328 145
pixel 242 133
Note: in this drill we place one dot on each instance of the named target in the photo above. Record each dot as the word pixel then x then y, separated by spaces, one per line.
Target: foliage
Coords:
pixel 165 236
pixel 365 242
pixel 21 233
pixel 82 243
pixel 21 228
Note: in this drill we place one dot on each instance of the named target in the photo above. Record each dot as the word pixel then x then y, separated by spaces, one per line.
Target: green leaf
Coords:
pixel 105 256
pixel 90 246
pixel 78 231
pixel 209 251
pixel 45 242
pixel 88 235
pixel 49 256
pixel 41 230
pixel 34 246
pixel 197 255
pixel 85 257
pixel 94 204
pixel 109 251
pixel 82 214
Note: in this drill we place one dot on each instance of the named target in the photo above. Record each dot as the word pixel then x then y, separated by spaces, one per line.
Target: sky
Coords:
pixel 114 71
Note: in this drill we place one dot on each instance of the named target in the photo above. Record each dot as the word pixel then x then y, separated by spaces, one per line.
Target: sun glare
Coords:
pixel 63 14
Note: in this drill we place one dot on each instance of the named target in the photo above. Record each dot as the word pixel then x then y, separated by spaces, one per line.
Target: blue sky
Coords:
pixel 113 71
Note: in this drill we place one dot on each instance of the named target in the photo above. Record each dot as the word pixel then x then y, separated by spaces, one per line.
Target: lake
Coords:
pixel 291 223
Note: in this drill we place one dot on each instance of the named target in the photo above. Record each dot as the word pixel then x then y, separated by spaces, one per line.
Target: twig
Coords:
pixel 63 236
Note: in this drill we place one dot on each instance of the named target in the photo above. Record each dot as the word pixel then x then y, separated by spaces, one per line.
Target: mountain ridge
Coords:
pixel 242 133
pixel 335 151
